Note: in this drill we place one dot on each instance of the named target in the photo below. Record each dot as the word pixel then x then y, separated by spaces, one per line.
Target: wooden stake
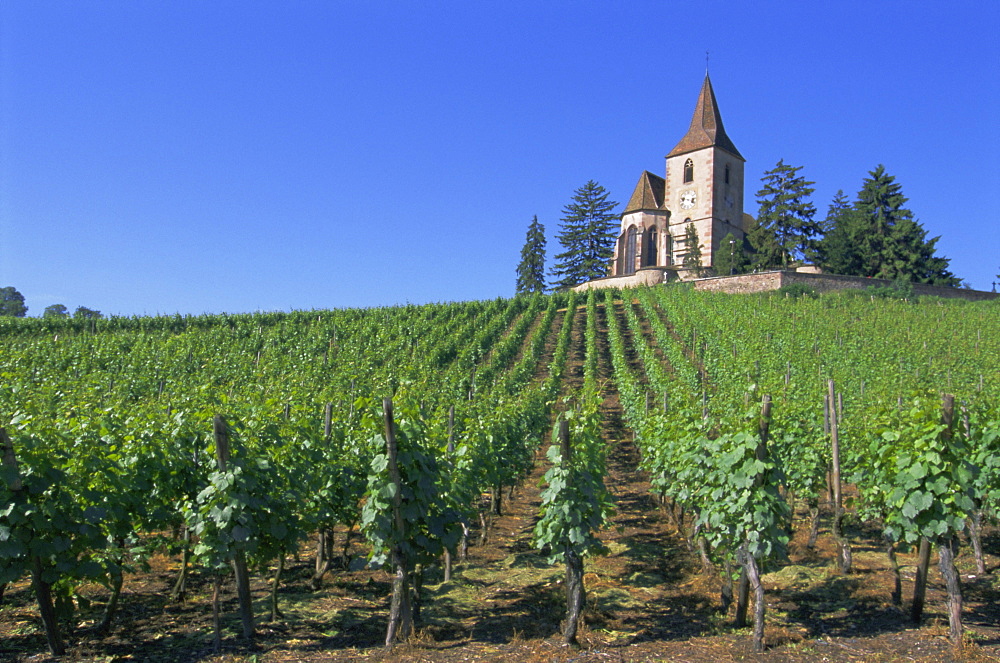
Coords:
pixel 843 547
pixel 945 551
pixel 239 561
pixel 400 611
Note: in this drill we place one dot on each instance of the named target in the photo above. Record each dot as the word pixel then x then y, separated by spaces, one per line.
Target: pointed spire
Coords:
pixel 706 128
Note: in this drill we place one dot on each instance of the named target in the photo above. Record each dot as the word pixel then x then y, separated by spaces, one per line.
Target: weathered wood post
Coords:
pixel 574 562
pixel 400 610
pixel 945 545
pixel 239 560
pixel 843 546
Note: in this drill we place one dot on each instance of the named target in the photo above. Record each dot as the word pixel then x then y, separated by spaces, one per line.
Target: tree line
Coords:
pixel 12 304
pixel 875 235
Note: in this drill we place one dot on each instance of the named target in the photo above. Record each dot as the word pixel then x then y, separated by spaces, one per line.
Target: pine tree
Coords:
pixel 692 246
pixel 835 252
pixel 888 241
pixel 787 215
pixel 765 252
pixel 729 259
pixel 587 234
pixel 531 269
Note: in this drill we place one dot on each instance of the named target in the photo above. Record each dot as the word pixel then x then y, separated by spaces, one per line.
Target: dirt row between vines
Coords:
pixel 647 600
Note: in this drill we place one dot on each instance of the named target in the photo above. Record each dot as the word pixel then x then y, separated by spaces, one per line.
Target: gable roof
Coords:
pixel 648 194
pixel 706 128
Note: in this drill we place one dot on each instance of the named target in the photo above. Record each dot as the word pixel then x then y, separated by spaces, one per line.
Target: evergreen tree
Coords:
pixel 887 241
pixel 786 215
pixel 765 252
pixel 835 251
pixel 531 269
pixel 587 234
pixel 692 246
pixel 729 259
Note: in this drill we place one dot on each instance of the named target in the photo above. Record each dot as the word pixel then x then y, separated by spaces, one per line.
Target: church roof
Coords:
pixel 706 128
pixel 648 194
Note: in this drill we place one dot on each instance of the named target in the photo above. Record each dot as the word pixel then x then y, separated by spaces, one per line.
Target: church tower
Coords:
pixel 703 186
pixel 704 183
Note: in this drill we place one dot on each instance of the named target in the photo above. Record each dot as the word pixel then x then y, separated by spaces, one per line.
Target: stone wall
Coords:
pixel 642 276
pixel 765 281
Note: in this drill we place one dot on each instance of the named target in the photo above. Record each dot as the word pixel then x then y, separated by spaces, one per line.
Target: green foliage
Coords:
pixel 587 234
pixel 531 269
pixel 737 494
pixel 575 502
pixel 900 289
pixel 432 523
pixel 785 227
pixel 12 303
pixel 84 313
pixel 796 290
pixel 55 311
pixel 930 489
pixel 729 259
pixel 48 512
pixel 692 246
pixel 878 237
pixel 246 507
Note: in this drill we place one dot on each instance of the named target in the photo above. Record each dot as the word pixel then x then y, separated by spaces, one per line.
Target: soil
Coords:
pixel 648 600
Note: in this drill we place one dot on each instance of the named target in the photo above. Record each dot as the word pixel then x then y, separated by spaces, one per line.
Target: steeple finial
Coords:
pixel 706 63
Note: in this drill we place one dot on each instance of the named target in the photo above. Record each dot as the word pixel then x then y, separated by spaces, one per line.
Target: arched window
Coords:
pixel 727 173
pixel 650 258
pixel 669 251
pixel 688 171
pixel 629 267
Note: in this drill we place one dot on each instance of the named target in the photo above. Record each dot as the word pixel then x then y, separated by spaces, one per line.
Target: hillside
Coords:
pixel 111 425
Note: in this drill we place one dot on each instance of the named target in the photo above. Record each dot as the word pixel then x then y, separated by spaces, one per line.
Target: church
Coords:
pixel 703 186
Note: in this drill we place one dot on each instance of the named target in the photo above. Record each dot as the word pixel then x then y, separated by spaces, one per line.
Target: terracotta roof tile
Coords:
pixel 648 194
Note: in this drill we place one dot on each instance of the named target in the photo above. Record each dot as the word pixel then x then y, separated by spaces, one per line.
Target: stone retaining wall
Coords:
pixel 643 276
pixel 765 281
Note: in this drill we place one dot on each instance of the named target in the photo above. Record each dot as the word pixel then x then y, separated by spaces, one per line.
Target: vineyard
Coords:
pixel 654 474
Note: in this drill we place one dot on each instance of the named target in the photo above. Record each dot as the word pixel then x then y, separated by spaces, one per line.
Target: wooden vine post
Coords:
pixel 920 581
pixel 843 546
pixel 451 453
pixel 946 545
pixel 400 610
pixel 750 579
pixel 239 560
pixel 43 589
pixel 574 561
pixel 324 537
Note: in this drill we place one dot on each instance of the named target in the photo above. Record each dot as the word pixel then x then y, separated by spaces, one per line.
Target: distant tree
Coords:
pixel 56 311
pixel 531 269
pixel 884 240
pixel 692 248
pixel 835 251
pixel 12 302
pixel 729 259
pixel 587 234
pixel 86 313
pixel 765 252
pixel 786 215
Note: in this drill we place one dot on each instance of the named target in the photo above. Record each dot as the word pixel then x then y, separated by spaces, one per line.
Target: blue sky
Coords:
pixel 161 157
